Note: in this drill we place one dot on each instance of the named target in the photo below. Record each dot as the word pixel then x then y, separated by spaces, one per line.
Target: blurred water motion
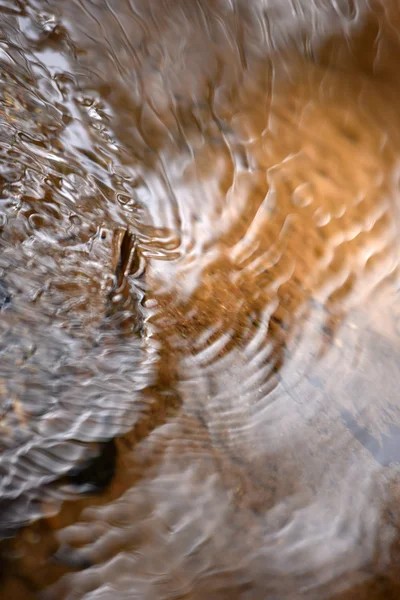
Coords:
pixel 199 308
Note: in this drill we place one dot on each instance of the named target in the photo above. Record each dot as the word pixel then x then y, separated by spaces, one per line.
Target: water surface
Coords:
pixel 199 275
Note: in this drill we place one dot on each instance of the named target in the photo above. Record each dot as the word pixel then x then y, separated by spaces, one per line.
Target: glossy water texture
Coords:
pixel 199 299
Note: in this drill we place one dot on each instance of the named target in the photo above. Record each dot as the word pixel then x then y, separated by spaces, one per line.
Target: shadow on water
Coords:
pixel 199 315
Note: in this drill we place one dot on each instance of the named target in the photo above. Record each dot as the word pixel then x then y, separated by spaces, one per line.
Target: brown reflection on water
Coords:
pixel 199 300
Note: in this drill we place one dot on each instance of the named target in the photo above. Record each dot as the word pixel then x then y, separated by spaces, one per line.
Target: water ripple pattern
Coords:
pixel 199 274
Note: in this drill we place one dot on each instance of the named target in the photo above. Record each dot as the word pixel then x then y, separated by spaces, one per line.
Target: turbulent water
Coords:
pixel 199 299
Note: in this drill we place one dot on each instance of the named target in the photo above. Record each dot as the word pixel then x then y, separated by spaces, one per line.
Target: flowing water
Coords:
pixel 199 299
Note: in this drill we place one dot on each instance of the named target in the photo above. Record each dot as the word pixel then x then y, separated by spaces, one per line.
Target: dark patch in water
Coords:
pixel 386 451
pixel 13 515
pixel 96 473
pixel 5 296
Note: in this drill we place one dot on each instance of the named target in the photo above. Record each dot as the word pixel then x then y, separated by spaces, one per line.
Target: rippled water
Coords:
pixel 199 299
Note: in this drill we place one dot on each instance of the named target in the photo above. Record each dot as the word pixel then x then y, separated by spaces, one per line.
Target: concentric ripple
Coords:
pixel 199 299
